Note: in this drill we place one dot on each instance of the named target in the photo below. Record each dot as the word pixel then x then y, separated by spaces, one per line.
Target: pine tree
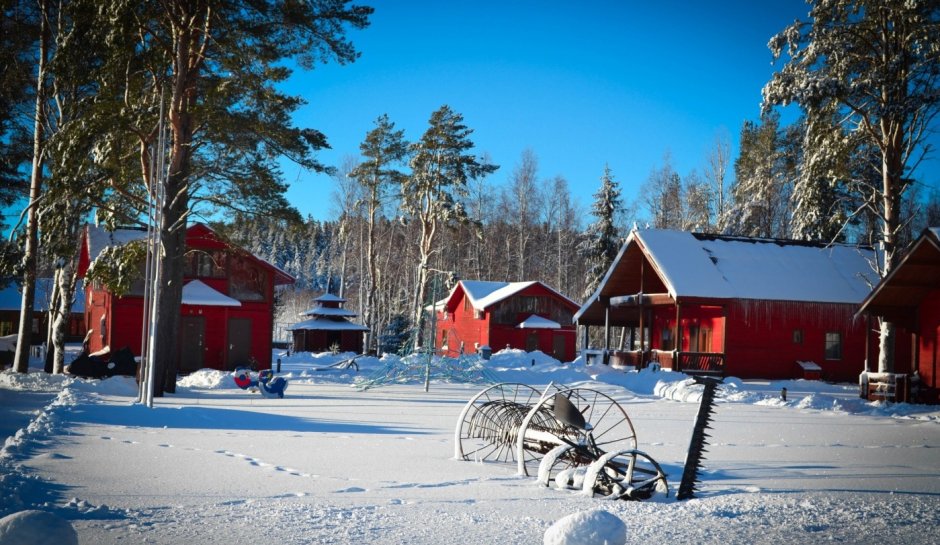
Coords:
pixel 762 183
pixel 874 66
pixel 216 64
pixel 441 166
pixel 602 240
pixel 383 149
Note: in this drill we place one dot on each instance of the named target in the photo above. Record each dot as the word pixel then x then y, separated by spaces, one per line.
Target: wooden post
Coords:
pixel 606 330
pixel 677 341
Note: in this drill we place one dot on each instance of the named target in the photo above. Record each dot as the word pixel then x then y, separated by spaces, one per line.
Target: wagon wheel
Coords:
pixel 564 466
pixel 604 419
pixel 487 426
pixel 628 475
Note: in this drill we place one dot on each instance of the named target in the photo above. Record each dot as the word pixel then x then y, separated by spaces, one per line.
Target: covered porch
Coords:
pixel 641 330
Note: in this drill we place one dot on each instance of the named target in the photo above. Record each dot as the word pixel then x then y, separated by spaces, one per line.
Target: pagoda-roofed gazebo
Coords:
pixel 328 327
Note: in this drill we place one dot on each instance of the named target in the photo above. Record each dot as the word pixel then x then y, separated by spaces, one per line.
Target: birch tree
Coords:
pixel 383 149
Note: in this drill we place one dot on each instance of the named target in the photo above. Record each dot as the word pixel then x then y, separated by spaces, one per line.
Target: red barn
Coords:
pixel 228 300
pixel 910 297
pixel 525 315
pixel 745 307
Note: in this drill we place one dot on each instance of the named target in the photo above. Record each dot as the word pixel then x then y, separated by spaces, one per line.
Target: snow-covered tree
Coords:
pixel 716 175
pixel 383 150
pixel 663 196
pixel 874 65
pixel 521 203
pixel 602 240
pixel 763 183
pixel 441 166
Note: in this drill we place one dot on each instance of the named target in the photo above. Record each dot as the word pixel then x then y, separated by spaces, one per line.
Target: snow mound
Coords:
pixel 33 382
pixel 115 386
pixel 36 528
pixel 208 379
pixel 512 358
pixel 595 527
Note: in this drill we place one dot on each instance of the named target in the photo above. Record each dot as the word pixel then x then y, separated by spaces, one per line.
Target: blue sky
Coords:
pixel 580 84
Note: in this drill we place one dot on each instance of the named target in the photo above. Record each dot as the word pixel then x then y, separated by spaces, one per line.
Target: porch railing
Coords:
pixel 693 363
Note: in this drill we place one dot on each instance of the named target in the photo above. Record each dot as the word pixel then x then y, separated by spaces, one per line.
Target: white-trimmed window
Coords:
pixel 833 345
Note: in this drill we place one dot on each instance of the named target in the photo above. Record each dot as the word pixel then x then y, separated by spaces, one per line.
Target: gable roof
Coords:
pixel 901 292
pixel 323 323
pixel 538 322
pixel 483 294
pixel 11 297
pixel 96 239
pixel 197 292
pixel 724 267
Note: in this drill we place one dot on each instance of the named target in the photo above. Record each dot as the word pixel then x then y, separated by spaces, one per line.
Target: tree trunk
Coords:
pixel 369 314
pixel 30 257
pixel 66 288
pixel 51 316
pixel 891 177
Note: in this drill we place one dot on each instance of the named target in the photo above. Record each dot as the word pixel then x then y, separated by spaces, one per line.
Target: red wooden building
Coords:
pixel 910 297
pixel 228 300
pixel 11 298
pixel 735 306
pixel 328 328
pixel 524 315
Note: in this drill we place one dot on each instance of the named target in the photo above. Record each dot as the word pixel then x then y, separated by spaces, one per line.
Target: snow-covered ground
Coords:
pixel 331 463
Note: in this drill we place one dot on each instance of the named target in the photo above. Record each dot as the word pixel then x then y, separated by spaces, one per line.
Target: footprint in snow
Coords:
pixel 350 489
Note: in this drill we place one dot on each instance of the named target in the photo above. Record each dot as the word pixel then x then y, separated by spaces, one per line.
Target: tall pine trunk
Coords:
pixel 31 254
pixel 892 183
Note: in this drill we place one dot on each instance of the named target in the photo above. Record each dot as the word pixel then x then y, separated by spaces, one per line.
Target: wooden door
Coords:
pixel 239 342
pixel 558 347
pixel 192 343
pixel 532 342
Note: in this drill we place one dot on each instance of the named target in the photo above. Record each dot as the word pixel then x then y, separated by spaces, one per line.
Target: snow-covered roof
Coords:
pixel 483 294
pixel 330 298
pixel 328 311
pixel 731 267
pixel 327 324
pixel 99 238
pixel 538 322
pixel 196 292
pixel 11 298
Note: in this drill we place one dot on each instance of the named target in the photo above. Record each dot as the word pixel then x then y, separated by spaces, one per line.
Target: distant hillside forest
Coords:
pixel 525 230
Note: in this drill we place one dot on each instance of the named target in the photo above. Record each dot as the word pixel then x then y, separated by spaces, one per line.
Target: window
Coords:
pixel 466 303
pixel 248 282
pixel 202 264
pixel 6 328
pixel 833 346
pixel 797 336
pixel 667 339
pixel 443 338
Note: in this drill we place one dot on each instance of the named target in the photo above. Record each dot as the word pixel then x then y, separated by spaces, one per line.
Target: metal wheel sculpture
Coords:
pixel 577 438
pixel 573 411
pixel 627 475
pixel 487 426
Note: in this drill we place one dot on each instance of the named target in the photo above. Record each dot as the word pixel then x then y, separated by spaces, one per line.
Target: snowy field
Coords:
pixel 330 463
